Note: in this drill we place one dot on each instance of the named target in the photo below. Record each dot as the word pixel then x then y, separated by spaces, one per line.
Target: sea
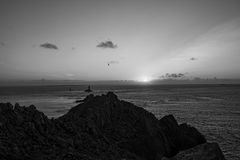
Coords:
pixel 213 109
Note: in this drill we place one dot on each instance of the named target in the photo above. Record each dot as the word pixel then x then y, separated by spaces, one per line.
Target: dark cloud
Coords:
pixel 107 44
pixel 193 59
pixel 49 46
pixel 112 62
pixel 2 44
pixel 173 75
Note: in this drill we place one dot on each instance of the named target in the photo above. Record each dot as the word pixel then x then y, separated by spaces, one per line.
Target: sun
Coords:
pixel 144 79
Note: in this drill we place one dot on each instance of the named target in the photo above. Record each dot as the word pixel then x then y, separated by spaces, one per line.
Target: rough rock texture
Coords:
pixel 206 151
pixel 180 137
pixel 102 127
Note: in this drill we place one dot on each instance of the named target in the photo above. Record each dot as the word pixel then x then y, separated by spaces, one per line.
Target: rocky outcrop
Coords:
pixel 180 137
pixel 206 151
pixel 102 127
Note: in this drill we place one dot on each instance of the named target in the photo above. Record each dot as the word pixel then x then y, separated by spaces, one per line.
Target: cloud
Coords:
pixel 173 75
pixel 107 44
pixel 2 44
pixel 112 62
pixel 193 59
pixel 49 46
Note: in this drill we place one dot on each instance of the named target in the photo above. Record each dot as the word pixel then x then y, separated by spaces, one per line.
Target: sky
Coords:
pixel 119 40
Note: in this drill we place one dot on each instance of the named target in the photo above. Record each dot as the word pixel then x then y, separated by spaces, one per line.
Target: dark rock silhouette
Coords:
pixel 182 136
pixel 79 101
pixel 206 151
pixel 102 127
pixel 88 89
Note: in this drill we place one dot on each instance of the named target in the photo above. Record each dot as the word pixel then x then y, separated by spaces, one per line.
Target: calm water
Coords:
pixel 213 109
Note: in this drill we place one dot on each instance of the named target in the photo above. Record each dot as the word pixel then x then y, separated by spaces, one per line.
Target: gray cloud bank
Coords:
pixel 173 75
pixel 107 44
pixel 49 46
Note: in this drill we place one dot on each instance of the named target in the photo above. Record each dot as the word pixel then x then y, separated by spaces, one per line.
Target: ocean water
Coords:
pixel 213 109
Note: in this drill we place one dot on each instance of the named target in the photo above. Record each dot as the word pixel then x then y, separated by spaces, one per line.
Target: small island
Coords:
pixel 88 89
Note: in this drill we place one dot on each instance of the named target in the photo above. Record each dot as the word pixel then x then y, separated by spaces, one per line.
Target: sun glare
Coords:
pixel 144 79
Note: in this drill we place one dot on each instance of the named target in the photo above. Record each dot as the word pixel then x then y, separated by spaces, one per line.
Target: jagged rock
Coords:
pixel 121 123
pixel 189 137
pixel 102 127
pixel 180 137
pixel 206 151
pixel 79 101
